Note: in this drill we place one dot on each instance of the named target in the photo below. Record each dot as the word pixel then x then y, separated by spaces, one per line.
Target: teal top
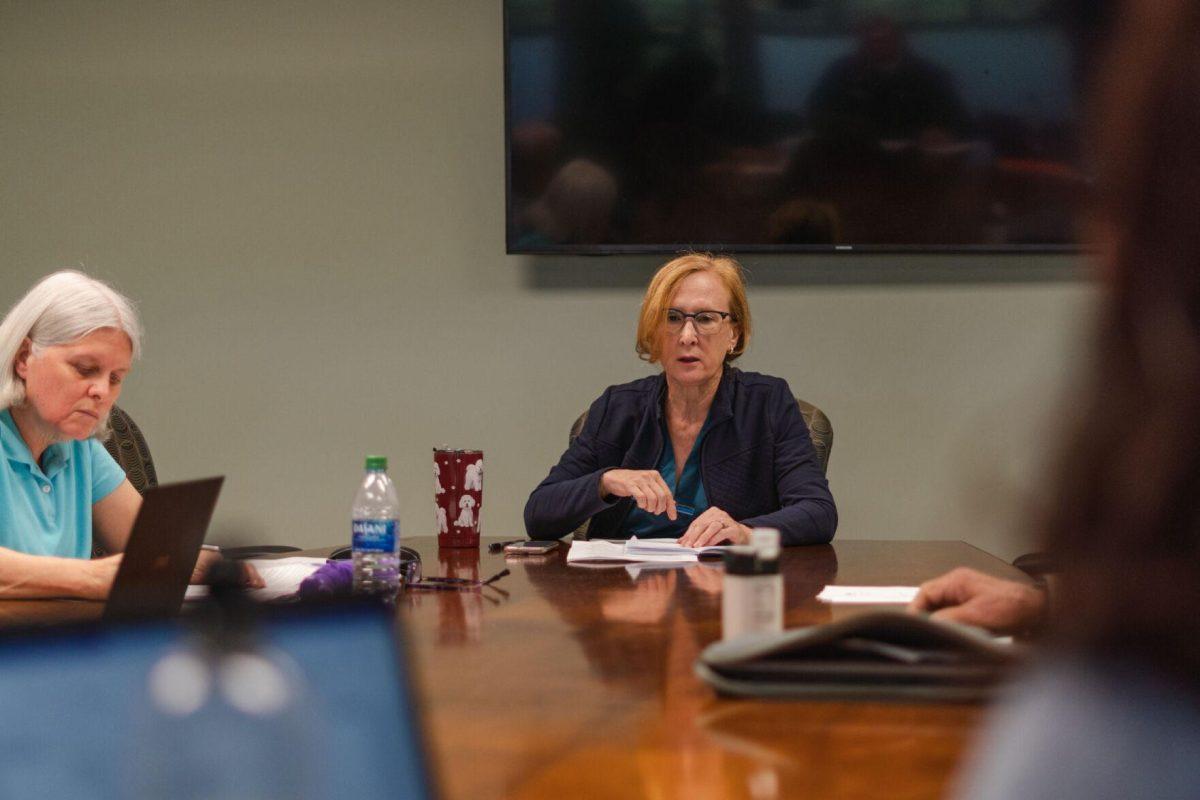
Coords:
pixel 690 499
pixel 46 509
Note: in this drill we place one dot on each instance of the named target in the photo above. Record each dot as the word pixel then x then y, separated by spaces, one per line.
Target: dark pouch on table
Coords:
pixel 884 655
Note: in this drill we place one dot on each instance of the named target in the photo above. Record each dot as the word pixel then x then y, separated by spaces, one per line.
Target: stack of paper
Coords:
pixel 653 547
pixel 282 577
pixel 638 550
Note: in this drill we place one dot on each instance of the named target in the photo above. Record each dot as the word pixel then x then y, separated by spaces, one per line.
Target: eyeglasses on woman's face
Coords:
pixel 706 322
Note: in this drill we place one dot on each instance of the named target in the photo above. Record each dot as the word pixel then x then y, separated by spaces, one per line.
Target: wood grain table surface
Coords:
pixel 565 681
pixel 576 682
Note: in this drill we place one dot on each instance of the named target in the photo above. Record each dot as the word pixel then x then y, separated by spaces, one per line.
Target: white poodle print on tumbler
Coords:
pixel 441 520
pixel 474 478
pixel 437 479
pixel 466 516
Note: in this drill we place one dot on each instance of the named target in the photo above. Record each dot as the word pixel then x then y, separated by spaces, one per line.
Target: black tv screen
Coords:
pixel 789 125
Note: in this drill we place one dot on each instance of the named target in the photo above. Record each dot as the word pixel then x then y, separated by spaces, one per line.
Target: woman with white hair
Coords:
pixel 65 347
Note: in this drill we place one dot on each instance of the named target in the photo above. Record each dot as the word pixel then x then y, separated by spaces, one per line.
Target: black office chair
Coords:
pixel 820 430
pixel 128 447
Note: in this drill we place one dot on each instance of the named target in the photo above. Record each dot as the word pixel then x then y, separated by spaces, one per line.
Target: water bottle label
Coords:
pixel 374 535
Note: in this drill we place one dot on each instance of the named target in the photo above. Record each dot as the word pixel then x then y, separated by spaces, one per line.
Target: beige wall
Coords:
pixel 306 200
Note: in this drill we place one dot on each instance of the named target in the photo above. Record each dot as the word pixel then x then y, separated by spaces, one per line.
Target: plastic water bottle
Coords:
pixel 375 531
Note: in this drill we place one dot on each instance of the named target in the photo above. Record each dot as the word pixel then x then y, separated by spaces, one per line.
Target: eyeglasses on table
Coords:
pixel 436 584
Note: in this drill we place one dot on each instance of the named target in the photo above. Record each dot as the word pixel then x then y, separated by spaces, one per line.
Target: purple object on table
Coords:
pixel 332 579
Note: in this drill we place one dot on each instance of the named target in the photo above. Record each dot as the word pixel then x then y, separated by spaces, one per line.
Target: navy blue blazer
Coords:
pixel 757 461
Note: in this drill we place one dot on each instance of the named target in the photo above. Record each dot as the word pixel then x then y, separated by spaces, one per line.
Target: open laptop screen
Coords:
pixel 79 721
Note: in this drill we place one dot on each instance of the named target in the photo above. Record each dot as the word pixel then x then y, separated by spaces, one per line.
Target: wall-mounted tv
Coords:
pixel 789 125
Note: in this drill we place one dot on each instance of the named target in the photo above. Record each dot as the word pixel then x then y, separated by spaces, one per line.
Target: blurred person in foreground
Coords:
pixel 701 452
pixel 1111 709
pixel 66 348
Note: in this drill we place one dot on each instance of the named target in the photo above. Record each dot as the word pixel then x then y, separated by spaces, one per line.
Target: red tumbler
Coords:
pixel 457 496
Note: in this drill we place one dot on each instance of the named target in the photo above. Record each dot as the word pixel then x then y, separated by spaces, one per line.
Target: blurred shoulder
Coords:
pixel 1079 728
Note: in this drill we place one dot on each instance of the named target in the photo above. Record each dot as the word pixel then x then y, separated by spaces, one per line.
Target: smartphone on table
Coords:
pixel 531 547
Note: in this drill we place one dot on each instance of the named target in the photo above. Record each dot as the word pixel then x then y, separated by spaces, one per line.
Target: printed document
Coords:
pixel 638 550
pixel 282 577
pixel 868 594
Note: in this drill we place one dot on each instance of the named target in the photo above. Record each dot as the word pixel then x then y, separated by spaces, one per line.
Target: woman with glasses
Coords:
pixel 701 452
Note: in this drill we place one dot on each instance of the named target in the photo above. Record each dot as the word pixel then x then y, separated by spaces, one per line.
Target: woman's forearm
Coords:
pixel 24 576
pixel 812 521
pixel 555 508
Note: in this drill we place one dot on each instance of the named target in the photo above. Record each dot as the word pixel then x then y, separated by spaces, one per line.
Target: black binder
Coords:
pixel 884 655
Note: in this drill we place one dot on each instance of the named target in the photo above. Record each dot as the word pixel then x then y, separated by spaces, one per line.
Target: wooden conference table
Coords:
pixel 571 682
pixel 576 682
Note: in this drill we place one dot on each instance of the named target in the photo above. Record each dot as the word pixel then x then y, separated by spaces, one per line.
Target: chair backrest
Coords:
pixel 820 430
pixel 128 448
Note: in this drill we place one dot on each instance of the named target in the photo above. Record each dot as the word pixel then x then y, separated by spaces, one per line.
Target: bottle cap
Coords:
pixel 376 462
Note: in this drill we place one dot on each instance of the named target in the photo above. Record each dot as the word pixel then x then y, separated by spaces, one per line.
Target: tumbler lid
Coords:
pixel 744 560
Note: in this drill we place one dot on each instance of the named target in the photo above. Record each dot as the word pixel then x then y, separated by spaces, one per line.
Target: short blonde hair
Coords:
pixel 663 285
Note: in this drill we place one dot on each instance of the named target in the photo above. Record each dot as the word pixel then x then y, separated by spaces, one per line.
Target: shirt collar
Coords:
pixel 56 456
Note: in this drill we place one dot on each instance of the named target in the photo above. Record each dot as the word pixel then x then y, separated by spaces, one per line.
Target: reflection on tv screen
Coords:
pixel 656 125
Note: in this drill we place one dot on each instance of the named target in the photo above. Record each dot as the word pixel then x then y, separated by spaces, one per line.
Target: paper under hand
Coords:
pixel 868 594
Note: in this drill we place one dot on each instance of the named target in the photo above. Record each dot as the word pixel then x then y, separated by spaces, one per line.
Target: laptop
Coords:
pixel 89 724
pixel 162 550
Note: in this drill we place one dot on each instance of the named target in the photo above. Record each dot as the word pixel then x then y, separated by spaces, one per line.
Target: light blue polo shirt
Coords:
pixel 48 512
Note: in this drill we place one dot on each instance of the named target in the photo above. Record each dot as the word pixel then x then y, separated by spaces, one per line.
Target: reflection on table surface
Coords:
pixel 572 681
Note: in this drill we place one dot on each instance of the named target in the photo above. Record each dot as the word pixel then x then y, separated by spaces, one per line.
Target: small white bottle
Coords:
pixel 752 598
pixel 375 532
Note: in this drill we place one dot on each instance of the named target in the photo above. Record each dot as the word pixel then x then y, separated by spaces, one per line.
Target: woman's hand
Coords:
pixel 645 486
pixel 250 577
pixel 713 527
pixel 964 595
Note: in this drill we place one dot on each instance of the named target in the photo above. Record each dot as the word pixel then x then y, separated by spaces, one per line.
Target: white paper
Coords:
pixel 868 594
pixel 606 550
pixel 636 546
pixel 282 577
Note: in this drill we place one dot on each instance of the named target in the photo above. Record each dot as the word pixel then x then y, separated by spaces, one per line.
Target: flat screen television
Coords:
pixel 789 125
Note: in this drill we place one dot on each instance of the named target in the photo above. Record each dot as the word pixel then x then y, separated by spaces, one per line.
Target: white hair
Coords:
pixel 60 309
